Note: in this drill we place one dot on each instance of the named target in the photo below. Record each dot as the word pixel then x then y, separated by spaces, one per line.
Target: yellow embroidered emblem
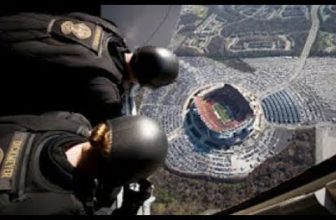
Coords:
pixel 80 30
pixel 66 27
pixel 11 158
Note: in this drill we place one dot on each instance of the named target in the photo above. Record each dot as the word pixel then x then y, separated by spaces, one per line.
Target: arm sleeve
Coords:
pixel 105 98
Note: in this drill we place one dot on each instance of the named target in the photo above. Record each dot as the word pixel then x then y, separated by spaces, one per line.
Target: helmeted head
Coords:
pixel 154 66
pixel 135 147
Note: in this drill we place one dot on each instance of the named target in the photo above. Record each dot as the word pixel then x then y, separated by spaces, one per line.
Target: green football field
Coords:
pixel 221 111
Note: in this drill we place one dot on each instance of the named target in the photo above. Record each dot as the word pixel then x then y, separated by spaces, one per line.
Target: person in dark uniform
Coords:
pixel 55 163
pixel 79 62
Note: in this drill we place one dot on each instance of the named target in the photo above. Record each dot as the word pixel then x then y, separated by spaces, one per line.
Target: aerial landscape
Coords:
pixel 256 83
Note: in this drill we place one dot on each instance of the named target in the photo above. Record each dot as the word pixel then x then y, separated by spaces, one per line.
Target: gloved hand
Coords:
pixel 137 196
pixel 134 198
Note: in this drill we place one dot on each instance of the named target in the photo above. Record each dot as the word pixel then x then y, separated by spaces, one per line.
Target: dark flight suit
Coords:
pixel 61 63
pixel 35 176
pixel 37 179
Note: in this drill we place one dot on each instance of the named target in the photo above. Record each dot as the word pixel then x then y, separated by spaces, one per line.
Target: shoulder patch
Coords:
pixel 13 155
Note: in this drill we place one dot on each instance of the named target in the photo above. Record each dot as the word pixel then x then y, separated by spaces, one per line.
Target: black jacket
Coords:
pixel 40 60
pixel 35 176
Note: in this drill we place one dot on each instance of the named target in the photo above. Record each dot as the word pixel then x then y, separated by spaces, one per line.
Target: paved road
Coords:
pixel 174 133
pixel 304 54
pixel 309 42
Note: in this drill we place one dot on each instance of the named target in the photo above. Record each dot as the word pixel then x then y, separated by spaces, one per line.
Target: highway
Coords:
pixel 304 54
pixel 309 42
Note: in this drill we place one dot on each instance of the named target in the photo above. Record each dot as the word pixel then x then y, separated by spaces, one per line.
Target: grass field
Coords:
pixel 221 111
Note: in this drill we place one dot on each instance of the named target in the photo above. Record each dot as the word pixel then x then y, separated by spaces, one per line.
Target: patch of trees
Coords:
pixel 180 195
pixel 188 19
pixel 187 51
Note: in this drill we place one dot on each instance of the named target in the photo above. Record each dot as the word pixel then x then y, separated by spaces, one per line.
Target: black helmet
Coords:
pixel 139 147
pixel 154 66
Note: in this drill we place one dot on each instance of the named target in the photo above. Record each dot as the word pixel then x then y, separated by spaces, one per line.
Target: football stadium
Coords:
pixel 219 118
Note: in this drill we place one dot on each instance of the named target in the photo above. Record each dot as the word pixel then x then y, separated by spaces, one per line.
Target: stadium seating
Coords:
pixel 280 108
